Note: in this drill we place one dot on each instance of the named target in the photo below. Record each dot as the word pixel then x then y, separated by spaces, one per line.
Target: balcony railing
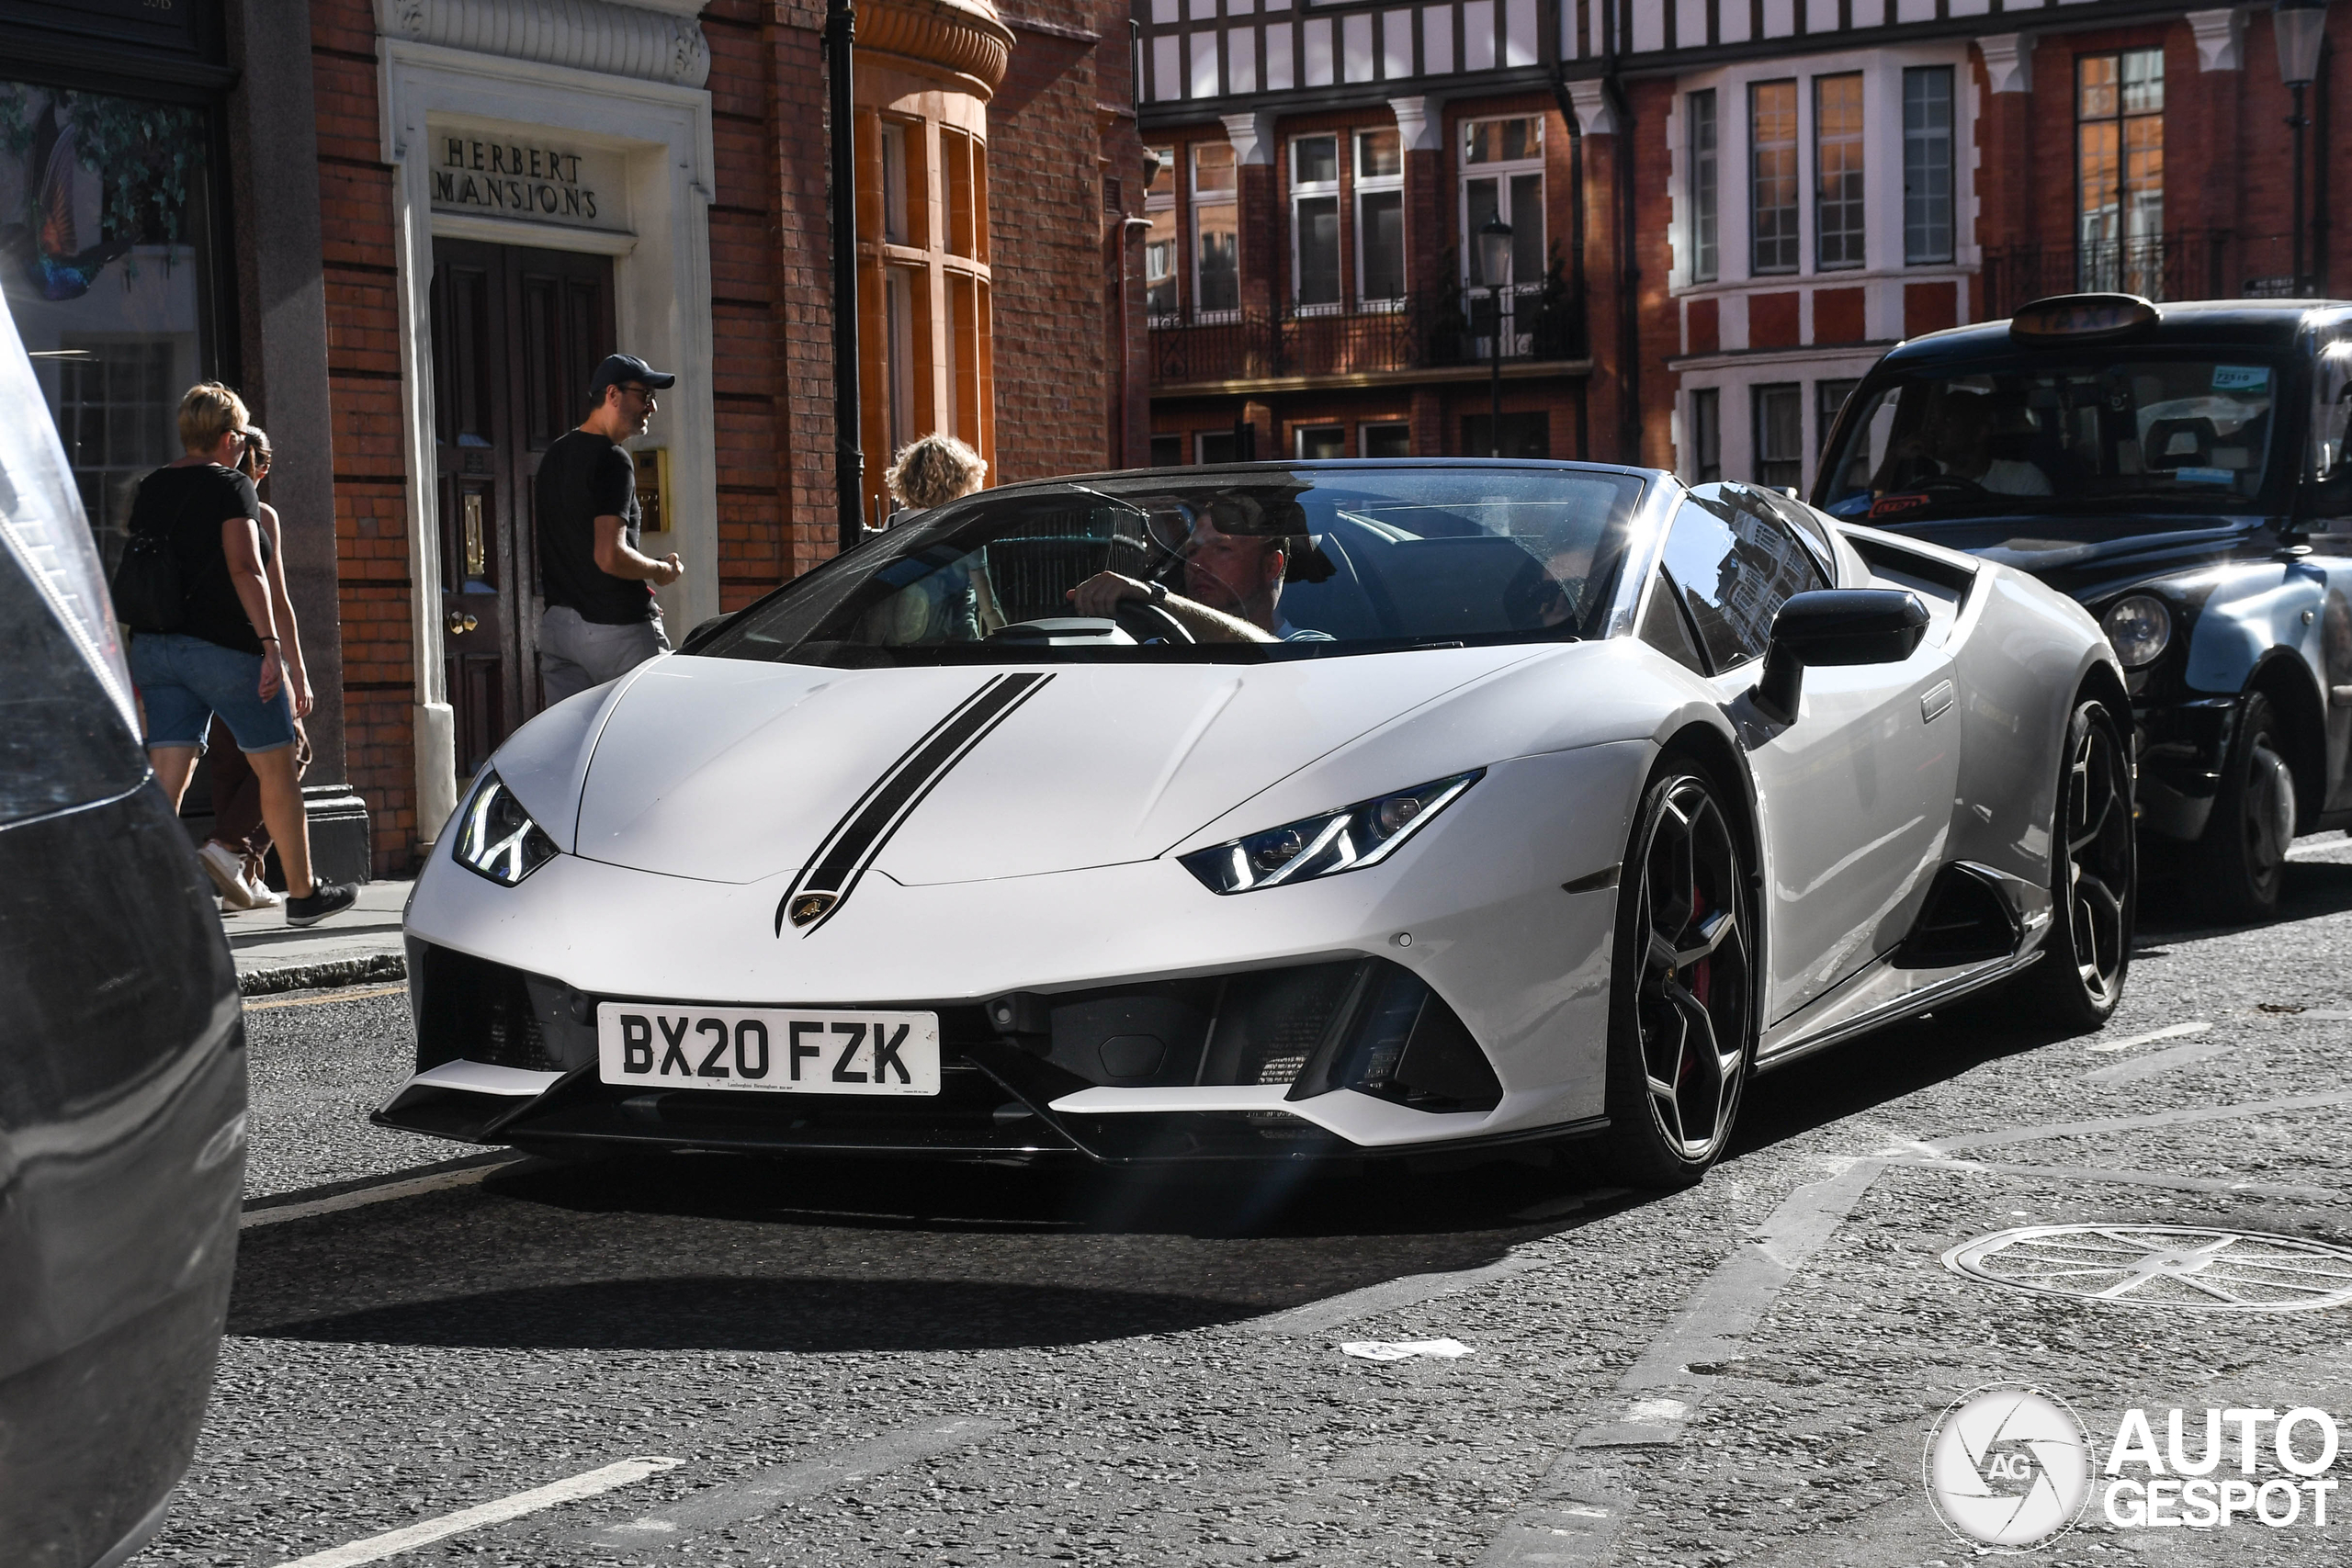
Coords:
pixel 2186 264
pixel 1417 334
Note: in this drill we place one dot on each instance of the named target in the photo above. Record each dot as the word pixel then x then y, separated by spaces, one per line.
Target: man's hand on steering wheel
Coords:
pixel 1099 595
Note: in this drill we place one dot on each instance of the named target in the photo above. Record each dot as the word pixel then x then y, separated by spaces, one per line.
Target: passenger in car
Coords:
pixel 1233 585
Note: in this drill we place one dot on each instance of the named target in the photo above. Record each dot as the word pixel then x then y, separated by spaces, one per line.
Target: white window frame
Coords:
pixel 1377 184
pixel 1302 191
pixel 1228 198
pixel 1501 171
pixel 1155 204
pixel 1299 439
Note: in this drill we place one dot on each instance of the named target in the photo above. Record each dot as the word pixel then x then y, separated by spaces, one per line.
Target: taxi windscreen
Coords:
pixel 2089 432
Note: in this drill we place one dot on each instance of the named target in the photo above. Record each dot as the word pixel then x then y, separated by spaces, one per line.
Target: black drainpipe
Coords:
pixel 1575 256
pixel 849 443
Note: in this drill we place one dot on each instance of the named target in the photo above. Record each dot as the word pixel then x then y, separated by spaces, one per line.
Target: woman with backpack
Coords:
pixel 203 589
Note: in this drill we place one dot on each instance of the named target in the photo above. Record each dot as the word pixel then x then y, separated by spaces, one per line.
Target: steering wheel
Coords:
pixel 1958 484
pixel 1147 621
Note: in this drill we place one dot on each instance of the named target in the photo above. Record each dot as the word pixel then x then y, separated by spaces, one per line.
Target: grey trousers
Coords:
pixel 575 654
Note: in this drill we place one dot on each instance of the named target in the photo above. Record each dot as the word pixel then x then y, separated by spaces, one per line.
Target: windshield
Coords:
pixel 2037 433
pixel 1233 564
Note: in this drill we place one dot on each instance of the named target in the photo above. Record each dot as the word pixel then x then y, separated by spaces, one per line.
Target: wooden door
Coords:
pixel 517 334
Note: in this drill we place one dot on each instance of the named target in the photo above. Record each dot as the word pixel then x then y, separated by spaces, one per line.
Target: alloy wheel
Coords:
pixel 1693 1006
pixel 2268 817
pixel 2099 852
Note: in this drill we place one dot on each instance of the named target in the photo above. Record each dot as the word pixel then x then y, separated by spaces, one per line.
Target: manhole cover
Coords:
pixel 2173 1265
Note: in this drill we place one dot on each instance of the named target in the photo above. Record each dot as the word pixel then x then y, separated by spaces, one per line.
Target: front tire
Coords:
pixel 1682 992
pixel 2095 879
pixel 2241 859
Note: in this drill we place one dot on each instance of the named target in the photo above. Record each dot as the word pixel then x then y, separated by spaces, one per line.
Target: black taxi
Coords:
pixel 2180 470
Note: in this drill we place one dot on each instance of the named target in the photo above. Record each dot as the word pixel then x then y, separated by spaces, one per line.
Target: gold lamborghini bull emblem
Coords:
pixel 811 906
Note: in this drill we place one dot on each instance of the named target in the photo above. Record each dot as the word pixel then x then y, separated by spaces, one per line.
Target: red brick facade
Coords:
pixel 1064 159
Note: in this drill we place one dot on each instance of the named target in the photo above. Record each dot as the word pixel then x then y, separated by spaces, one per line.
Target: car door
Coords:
pixel 1856 796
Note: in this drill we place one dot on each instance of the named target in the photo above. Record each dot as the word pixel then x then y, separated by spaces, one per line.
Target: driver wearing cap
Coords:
pixel 1233 586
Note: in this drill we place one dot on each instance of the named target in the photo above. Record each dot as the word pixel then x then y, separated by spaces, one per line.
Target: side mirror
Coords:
pixel 1837 626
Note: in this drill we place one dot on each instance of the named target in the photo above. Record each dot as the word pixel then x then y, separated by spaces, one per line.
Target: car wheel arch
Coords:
pixel 2286 681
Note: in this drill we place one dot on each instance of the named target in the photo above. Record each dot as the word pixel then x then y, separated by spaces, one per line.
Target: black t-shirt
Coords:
pixel 187 506
pixel 585 477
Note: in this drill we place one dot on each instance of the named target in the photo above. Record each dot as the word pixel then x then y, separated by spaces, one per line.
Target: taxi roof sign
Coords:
pixel 2074 317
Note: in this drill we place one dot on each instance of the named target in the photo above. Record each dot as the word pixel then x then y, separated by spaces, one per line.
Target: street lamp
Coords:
pixel 1493 271
pixel 2299 23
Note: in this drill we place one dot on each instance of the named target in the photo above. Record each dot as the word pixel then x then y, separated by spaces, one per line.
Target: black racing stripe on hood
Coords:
pixel 857 840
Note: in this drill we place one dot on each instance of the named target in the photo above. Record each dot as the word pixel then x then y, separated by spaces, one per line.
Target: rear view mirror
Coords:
pixel 1837 626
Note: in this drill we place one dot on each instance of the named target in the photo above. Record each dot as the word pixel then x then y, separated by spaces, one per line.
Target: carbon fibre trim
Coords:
pixel 858 839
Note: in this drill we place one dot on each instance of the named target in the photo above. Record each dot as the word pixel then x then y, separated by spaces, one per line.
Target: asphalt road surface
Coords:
pixel 706 1359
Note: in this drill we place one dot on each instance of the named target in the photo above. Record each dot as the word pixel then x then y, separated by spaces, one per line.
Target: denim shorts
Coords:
pixel 184 680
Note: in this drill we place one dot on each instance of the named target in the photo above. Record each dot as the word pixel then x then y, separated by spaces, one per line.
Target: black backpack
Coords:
pixel 147 593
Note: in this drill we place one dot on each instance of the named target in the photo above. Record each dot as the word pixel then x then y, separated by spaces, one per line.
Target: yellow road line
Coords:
pixel 338 996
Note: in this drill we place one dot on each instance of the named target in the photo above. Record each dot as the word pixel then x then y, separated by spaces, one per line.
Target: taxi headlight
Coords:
pixel 497 839
pixel 2138 627
pixel 1363 834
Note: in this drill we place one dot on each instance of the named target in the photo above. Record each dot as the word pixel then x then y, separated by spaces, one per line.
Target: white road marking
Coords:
pixel 2133 1123
pixel 2194 1026
pixel 768 1491
pixel 361 995
pixel 2138 1067
pixel 376 1548
pixel 383 1193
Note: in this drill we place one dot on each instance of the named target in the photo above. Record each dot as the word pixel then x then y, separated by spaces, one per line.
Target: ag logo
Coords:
pixel 2007 1467
pixel 809 907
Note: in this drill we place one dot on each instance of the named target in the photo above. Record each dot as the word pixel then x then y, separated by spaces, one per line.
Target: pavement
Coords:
pixel 361 944
pixel 438 1355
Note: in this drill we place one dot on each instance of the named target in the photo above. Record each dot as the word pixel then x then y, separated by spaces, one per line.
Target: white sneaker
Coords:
pixel 261 893
pixel 227 869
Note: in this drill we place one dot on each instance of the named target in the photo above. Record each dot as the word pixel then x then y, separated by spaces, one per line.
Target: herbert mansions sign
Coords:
pixel 533 180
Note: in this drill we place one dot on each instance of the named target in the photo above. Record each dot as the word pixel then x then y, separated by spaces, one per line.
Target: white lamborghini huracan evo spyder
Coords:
pixel 1281 811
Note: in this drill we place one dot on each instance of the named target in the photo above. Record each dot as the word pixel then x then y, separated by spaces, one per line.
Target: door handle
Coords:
pixel 460 623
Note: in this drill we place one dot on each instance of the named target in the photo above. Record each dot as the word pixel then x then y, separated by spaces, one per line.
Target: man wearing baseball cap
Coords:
pixel 602 620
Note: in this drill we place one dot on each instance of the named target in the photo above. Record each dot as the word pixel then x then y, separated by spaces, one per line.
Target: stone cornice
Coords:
pixel 961 40
pixel 587 35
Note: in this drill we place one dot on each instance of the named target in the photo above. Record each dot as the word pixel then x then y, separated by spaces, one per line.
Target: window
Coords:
pixel 1507 157
pixel 1386 440
pixel 1773 176
pixel 1926 165
pixel 1706 436
pixel 964 179
pixel 1524 435
pixel 1315 222
pixel 1213 447
pixel 1734 569
pixel 1319 442
pixel 1159 296
pixel 1828 397
pixel 1705 194
pixel 894 182
pixel 1166 451
pixel 899 309
pixel 109 290
pixel 1380 216
pixel 1838 171
pixel 1216 255
pixel 2119 171
pixel 1665 628
pixel 1779 435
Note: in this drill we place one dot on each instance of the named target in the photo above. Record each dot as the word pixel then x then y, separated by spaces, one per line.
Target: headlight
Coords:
pixel 497 838
pixel 2139 628
pixel 1363 834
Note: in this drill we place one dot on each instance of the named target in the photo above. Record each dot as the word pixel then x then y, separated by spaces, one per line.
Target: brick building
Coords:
pixel 1313 267
pixel 410 230
pixel 1746 201
pixel 1812 182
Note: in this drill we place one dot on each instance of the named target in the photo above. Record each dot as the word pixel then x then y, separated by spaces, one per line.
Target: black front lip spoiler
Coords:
pixel 576 1112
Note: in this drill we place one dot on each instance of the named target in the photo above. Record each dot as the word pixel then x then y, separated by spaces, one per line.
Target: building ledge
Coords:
pixel 1513 371
pixel 1802 355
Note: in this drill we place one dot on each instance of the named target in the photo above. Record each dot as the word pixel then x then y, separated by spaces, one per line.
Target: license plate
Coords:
pixel 769 1049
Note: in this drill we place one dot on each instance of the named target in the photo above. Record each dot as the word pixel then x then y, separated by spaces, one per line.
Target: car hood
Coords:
pixel 2088 557
pixel 729 771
